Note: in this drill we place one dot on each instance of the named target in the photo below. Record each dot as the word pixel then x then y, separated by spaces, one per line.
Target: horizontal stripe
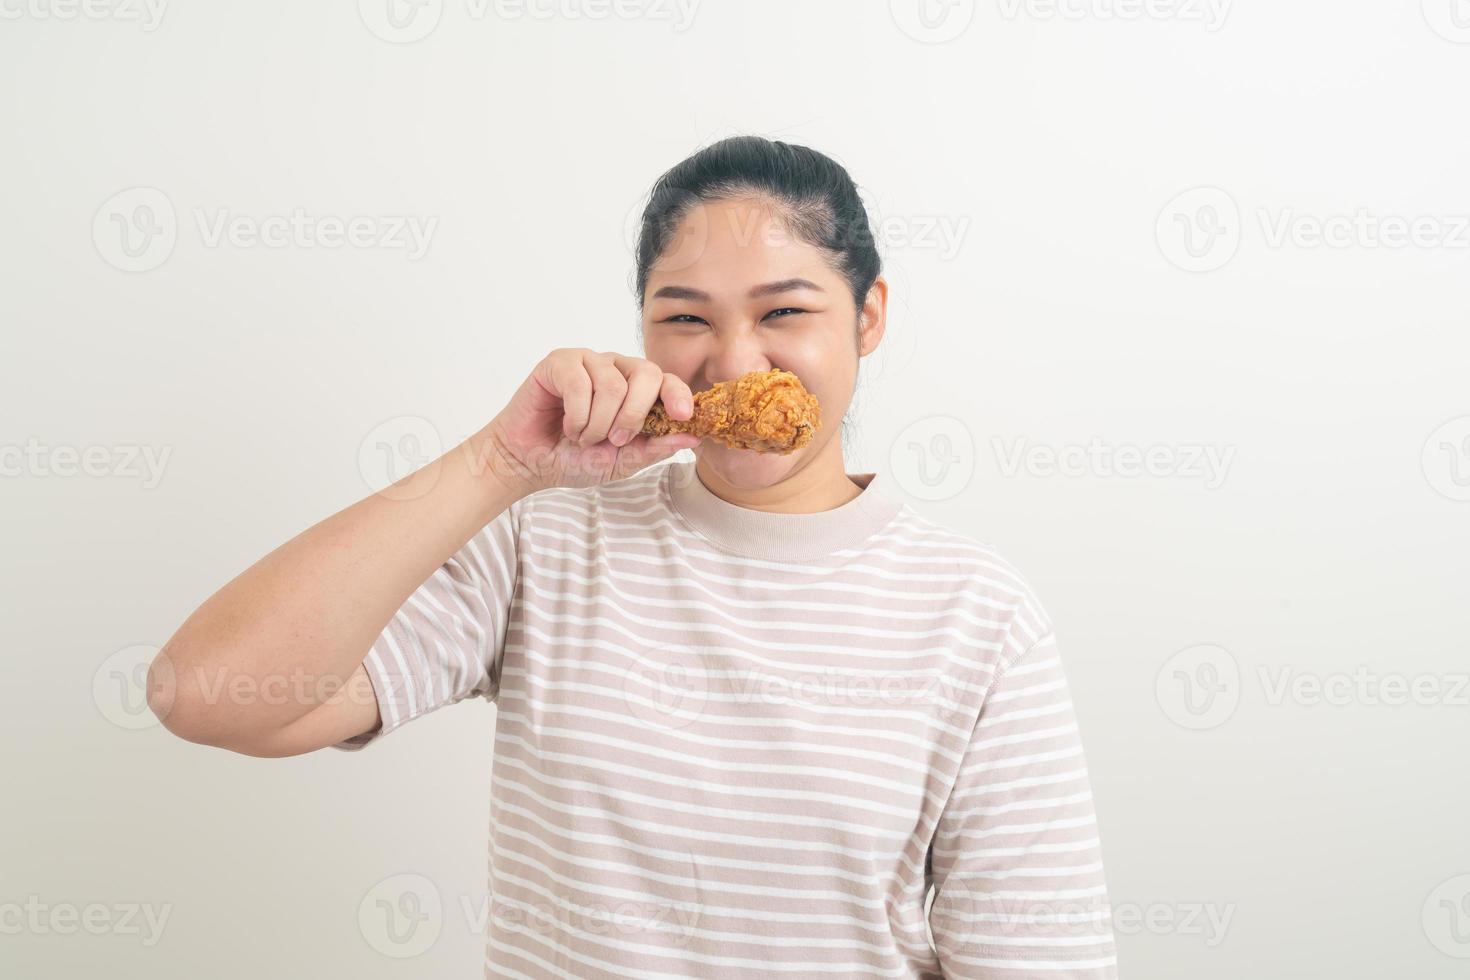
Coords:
pixel 733 743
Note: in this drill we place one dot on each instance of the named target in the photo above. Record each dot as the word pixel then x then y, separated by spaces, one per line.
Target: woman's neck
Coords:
pixel 821 484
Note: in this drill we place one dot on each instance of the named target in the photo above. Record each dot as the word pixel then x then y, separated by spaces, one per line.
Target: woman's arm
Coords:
pixel 1016 861
pixel 260 667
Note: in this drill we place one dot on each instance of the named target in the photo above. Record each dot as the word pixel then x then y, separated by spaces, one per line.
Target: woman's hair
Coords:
pixel 814 197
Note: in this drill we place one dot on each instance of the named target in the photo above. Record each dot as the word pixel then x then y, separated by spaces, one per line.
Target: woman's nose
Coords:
pixel 736 356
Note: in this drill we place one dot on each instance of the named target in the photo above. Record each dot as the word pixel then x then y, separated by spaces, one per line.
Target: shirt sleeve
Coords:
pixel 447 641
pixel 1015 860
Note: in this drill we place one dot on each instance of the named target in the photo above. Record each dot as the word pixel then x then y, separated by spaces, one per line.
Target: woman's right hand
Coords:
pixel 575 420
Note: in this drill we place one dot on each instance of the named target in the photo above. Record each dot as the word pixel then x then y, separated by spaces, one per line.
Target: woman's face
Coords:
pixel 734 292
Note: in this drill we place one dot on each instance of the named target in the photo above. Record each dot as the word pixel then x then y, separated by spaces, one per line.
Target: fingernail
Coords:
pixel 619 436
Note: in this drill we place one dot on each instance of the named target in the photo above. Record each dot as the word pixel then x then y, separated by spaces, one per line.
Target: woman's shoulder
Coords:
pixel 927 537
pixel 983 578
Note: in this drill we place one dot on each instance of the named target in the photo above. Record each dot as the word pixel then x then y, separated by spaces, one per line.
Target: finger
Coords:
pixel 677 398
pixel 643 450
pixel 609 388
pixel 573 385
pixel 644 383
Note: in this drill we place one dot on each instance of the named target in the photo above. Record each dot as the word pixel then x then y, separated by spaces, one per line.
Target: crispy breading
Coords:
pixel 766 411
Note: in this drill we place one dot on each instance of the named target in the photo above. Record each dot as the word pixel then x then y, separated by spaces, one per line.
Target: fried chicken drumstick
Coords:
pixel 767 411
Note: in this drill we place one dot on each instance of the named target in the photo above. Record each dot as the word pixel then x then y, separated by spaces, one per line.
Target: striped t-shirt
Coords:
pixel 735 743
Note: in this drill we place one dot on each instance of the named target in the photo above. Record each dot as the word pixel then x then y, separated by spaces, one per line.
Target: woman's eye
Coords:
pixel 691 318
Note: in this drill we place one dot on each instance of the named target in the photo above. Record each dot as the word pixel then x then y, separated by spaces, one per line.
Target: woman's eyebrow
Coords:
pixel 766 289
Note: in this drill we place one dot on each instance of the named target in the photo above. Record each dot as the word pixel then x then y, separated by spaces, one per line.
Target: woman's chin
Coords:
pixel 742 467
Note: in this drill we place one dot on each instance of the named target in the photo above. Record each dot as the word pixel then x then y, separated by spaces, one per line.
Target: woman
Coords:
pixel 752 709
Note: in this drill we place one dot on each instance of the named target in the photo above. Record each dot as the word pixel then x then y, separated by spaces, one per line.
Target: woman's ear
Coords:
pixel 873 317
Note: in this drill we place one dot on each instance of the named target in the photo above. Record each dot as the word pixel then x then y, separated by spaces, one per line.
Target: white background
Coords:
pixel 1064 309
